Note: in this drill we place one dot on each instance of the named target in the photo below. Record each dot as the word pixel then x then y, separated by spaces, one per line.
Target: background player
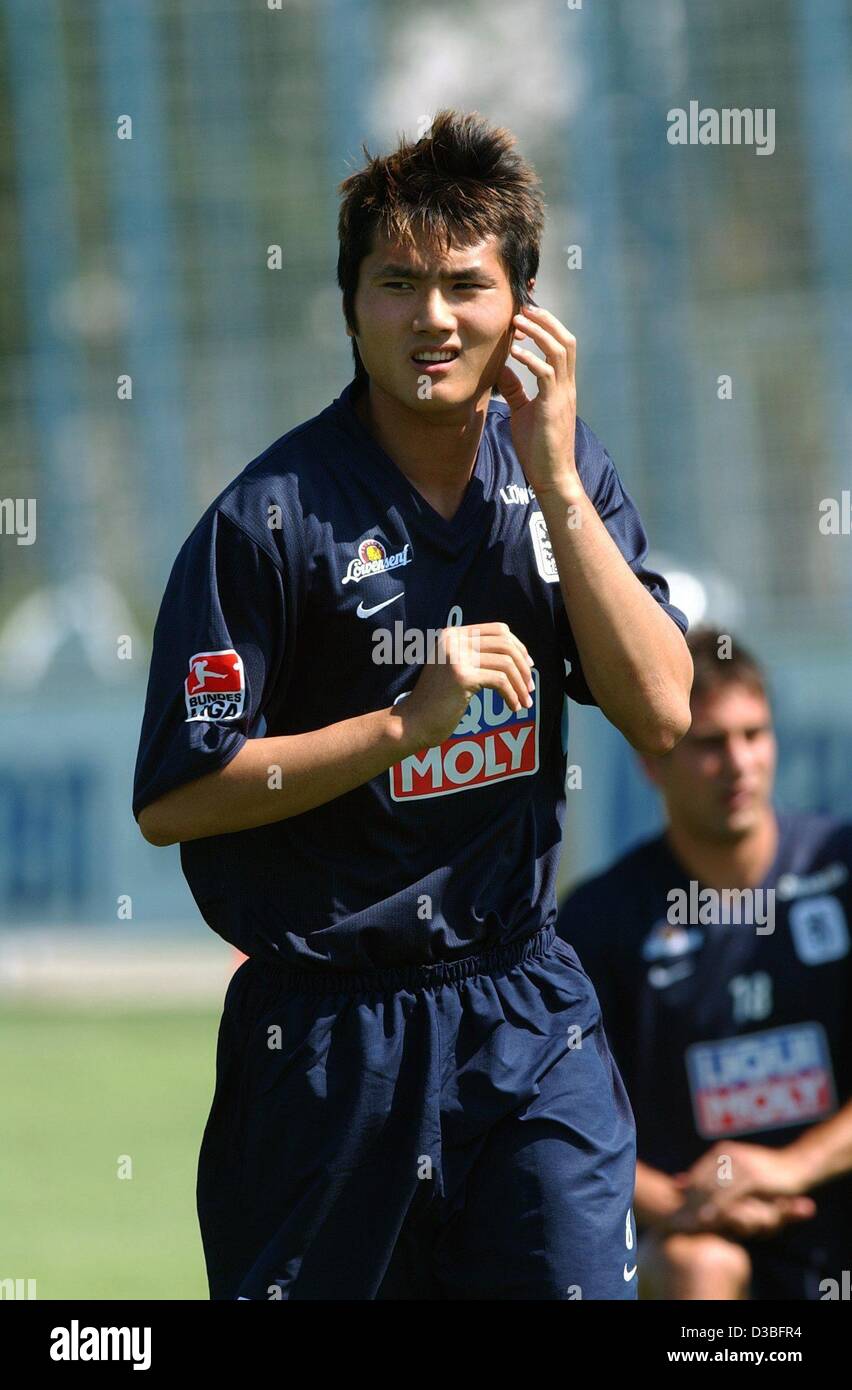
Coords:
pixel 414 1097
pixel 733 1037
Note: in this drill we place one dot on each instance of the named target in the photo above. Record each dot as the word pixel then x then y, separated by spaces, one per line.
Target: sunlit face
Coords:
pixel 717 782
pixel 410 301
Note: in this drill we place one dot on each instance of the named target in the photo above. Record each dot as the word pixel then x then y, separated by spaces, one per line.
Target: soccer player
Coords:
pixel 414 1098
pixel 719 950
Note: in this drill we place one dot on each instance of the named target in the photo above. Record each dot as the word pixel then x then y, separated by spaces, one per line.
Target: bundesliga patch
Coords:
pixel 761 1081
pixel 489 744
pixel 216 686
pixel 544 557
pixel 372 558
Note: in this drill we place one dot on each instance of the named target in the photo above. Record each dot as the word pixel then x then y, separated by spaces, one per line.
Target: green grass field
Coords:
pixel 79 1091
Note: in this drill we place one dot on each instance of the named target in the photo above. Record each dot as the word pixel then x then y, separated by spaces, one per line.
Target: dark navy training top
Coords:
pixel 307 594
pixel 721 1028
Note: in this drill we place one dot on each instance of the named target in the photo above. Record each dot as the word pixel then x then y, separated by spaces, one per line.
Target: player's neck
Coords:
pixel 436 456
pixel 742 863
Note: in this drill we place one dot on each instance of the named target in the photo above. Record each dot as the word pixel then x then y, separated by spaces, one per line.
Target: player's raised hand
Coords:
pixel 543 426
pixel 468 659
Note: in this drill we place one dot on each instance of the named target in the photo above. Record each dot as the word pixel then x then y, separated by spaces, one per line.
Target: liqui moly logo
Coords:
pixel 489 744
pixel 758 1081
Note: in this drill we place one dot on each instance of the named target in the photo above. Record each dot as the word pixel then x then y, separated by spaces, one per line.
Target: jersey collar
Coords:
pixel 450 535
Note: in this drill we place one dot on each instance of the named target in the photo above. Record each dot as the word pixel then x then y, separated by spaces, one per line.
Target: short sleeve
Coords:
pixel 218 648
pixel 618 512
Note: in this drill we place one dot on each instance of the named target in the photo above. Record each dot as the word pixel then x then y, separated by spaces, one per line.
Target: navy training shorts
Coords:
pixel 455 1131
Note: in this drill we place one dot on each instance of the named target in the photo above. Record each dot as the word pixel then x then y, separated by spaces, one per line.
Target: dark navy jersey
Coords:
pixel 724 1027
pixel 307 594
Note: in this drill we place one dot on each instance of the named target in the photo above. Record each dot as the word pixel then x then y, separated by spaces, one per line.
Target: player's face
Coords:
pixel 718 780
pixel 409 301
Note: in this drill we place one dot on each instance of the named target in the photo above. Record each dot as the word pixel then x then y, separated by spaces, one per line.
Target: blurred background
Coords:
pixel 169 307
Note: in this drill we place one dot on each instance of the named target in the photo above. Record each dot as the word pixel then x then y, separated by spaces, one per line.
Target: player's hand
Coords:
pixel 730 1171
pixel 747 1218
pixel 481 655
pixel 543 427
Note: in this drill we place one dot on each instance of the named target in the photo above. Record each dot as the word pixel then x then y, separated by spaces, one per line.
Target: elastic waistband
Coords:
pixel 406 977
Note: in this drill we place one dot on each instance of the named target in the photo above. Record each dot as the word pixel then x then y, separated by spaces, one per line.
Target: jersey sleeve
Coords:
pixel 618 512
pixel 219 643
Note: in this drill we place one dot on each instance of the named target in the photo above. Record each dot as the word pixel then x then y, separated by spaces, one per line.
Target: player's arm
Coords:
pixel 657 1195
pixel 271 779
pixel 633 655
pixel 824 1151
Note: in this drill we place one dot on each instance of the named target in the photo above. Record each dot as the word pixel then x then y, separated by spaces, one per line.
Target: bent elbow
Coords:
pixel 152 829
pixel 667 735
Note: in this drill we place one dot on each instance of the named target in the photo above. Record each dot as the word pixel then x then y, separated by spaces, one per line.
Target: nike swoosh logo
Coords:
pixel 628 1274
pixel 660 976
pixel 363 612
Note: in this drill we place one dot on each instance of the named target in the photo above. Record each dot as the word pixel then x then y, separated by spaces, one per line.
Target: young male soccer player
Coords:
pixel 414 1097
pixel 731 1028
